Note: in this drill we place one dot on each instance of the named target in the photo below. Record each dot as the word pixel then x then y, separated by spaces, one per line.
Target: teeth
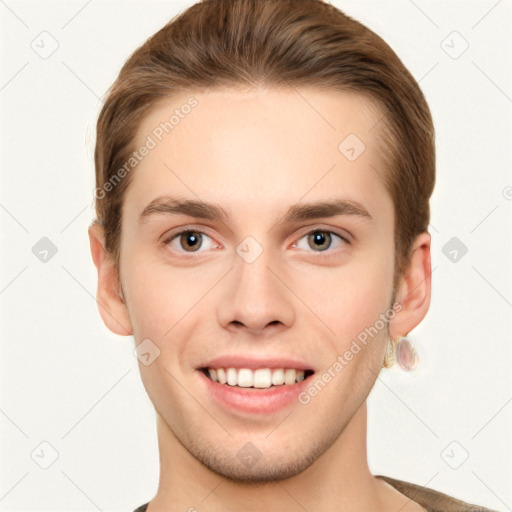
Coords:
pixel 245 378
pixel 221 375
pixel 260 378
pixel 278 377
pixel 289 377
pixel 232 377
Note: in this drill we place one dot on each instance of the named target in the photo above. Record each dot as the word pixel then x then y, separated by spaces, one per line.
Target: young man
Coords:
pixel 264 170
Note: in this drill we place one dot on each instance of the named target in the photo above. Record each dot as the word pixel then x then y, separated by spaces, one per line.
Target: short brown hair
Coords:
pixel 274 43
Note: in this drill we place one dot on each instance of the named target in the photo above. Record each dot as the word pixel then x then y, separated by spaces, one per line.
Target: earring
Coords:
pixel 406 355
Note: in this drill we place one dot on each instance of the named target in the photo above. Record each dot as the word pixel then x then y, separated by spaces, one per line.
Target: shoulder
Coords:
pixel 431 500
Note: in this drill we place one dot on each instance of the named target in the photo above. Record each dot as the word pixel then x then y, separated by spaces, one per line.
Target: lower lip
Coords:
pixel 252 400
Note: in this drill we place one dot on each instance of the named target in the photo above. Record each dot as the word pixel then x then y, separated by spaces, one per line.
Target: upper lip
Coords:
pixel 244 361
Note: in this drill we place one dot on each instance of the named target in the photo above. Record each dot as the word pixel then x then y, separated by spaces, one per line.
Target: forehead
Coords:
pixel 266 145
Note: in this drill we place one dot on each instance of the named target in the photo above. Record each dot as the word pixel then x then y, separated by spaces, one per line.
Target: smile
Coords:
pixel 261 378
pixel 252 391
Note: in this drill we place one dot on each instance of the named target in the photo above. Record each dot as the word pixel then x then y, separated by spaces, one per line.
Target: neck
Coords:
pixel 337 480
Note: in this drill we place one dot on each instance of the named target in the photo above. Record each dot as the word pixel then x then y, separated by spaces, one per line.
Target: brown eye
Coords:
pixel 191 239
pixel 320 240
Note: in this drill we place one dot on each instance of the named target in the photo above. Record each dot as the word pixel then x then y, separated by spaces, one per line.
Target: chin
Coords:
pixel 261 471
pixel 249 464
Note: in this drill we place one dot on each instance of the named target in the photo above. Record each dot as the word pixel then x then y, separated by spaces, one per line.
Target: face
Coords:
pixel 259 287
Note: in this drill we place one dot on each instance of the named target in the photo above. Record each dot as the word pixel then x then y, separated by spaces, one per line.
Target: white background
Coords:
pixel 68 381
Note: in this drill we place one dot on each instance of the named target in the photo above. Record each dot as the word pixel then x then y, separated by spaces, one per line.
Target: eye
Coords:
pixel 190 240
pixel 322 240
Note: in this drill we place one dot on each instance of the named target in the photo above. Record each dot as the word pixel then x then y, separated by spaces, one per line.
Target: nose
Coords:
pixel 256 298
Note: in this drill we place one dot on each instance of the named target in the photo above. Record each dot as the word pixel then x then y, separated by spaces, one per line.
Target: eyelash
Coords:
pixel 326 252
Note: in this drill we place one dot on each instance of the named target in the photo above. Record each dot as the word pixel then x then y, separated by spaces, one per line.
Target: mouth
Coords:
pixel 252 387
pixel 257 379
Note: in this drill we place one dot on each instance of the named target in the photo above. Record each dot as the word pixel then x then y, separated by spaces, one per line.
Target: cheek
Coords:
pixel 165 302
pixel 154 303
pixel 348 298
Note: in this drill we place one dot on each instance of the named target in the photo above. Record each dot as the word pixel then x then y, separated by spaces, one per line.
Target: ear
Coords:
pixel 413 292
pixel 111 306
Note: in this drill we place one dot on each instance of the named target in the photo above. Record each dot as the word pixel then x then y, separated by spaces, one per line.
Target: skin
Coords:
pixel 293 300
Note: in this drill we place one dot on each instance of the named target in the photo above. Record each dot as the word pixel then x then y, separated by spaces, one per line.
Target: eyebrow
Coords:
pixel 167 205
